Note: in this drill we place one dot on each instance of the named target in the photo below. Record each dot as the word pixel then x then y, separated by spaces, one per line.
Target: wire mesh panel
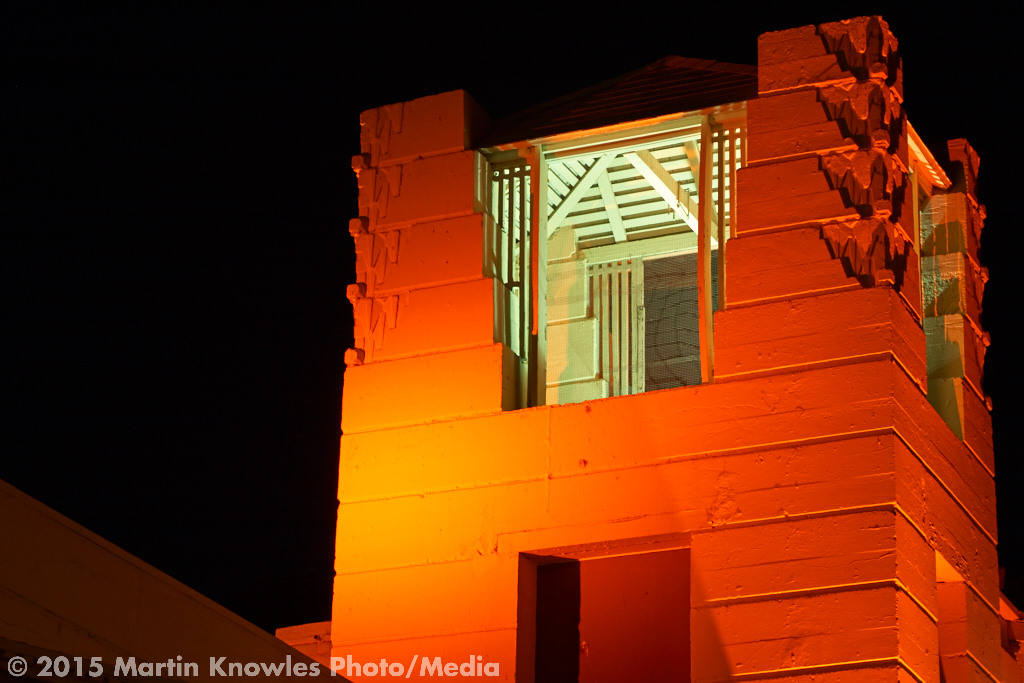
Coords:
pixel 647 320
pixel 672 330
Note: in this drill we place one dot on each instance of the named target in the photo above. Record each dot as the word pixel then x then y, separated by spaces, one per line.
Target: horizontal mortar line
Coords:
pixel 797 517
pixel 422 493
pixel 981 397
pixel 388 568
pixel 795 156
pixel 414 223
pixel 583 525
pixel 981 462
pixel 376 227
pixel 646 539
pixel 809 365
pixel 485 345
pixel 978 392
pixel 799 592
pixel 969 258
pixel 715 453
pixel 849 79
pixel 910 307
pixel 548 476
pixel 992 608
pixel 914 380
pixel 906 517
pixel 985 402
pixel 924 608
pixel 604 553
pixel 799 156
pixel 826 363
pixel 973 260
pixel 945 487
pixel 820 668
pixel 421 354
pixel 399 161
pixel 440 421
pixel 736 450
pixel 821 590
pixel 975 326
pixel 975 271
pixel 747 303
pixel 797 225
pixel 845 80
pixel 776 445
pixel 383 291
pixel 399 638
pixel 800 334
pixel 788 89
pixel 984 669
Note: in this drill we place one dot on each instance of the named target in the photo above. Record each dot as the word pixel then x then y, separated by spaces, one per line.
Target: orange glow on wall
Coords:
pixel 821 507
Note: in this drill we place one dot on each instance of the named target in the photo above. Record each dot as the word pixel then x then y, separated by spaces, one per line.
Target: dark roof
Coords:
pixel 668 86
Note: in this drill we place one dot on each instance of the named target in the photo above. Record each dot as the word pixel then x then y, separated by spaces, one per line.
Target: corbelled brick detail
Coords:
pixel 874 249
pixel 868 112
pixel 871 177
pixel 870 180
pixel 864 46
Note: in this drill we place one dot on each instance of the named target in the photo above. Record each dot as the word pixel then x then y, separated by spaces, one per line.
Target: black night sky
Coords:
pixel 176 243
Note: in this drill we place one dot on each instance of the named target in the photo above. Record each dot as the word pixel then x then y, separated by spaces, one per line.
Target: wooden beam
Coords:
pixel 683 242
pixel 670 190
pixel 621 140
pixel 570 201
pixel 693 156
pixel 611 207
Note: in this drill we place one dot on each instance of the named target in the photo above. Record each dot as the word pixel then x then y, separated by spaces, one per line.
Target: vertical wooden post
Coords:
pixel 722 143
pixel 916 204
pixel 705 224
pixel 734 136
pixel 538 255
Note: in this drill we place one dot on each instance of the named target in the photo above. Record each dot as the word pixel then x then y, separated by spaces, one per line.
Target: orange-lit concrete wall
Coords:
pixel 66 591
pixel 812 481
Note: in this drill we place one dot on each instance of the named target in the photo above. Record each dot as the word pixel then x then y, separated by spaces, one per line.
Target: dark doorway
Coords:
pixel 614 619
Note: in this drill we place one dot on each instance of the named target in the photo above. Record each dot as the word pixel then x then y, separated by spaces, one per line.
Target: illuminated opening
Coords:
pixel 610 253
pixel 635 229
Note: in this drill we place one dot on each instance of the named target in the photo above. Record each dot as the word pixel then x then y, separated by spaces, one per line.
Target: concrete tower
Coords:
pixel 676 378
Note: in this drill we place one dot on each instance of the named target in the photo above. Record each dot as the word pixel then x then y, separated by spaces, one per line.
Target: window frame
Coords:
pixel 718 129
